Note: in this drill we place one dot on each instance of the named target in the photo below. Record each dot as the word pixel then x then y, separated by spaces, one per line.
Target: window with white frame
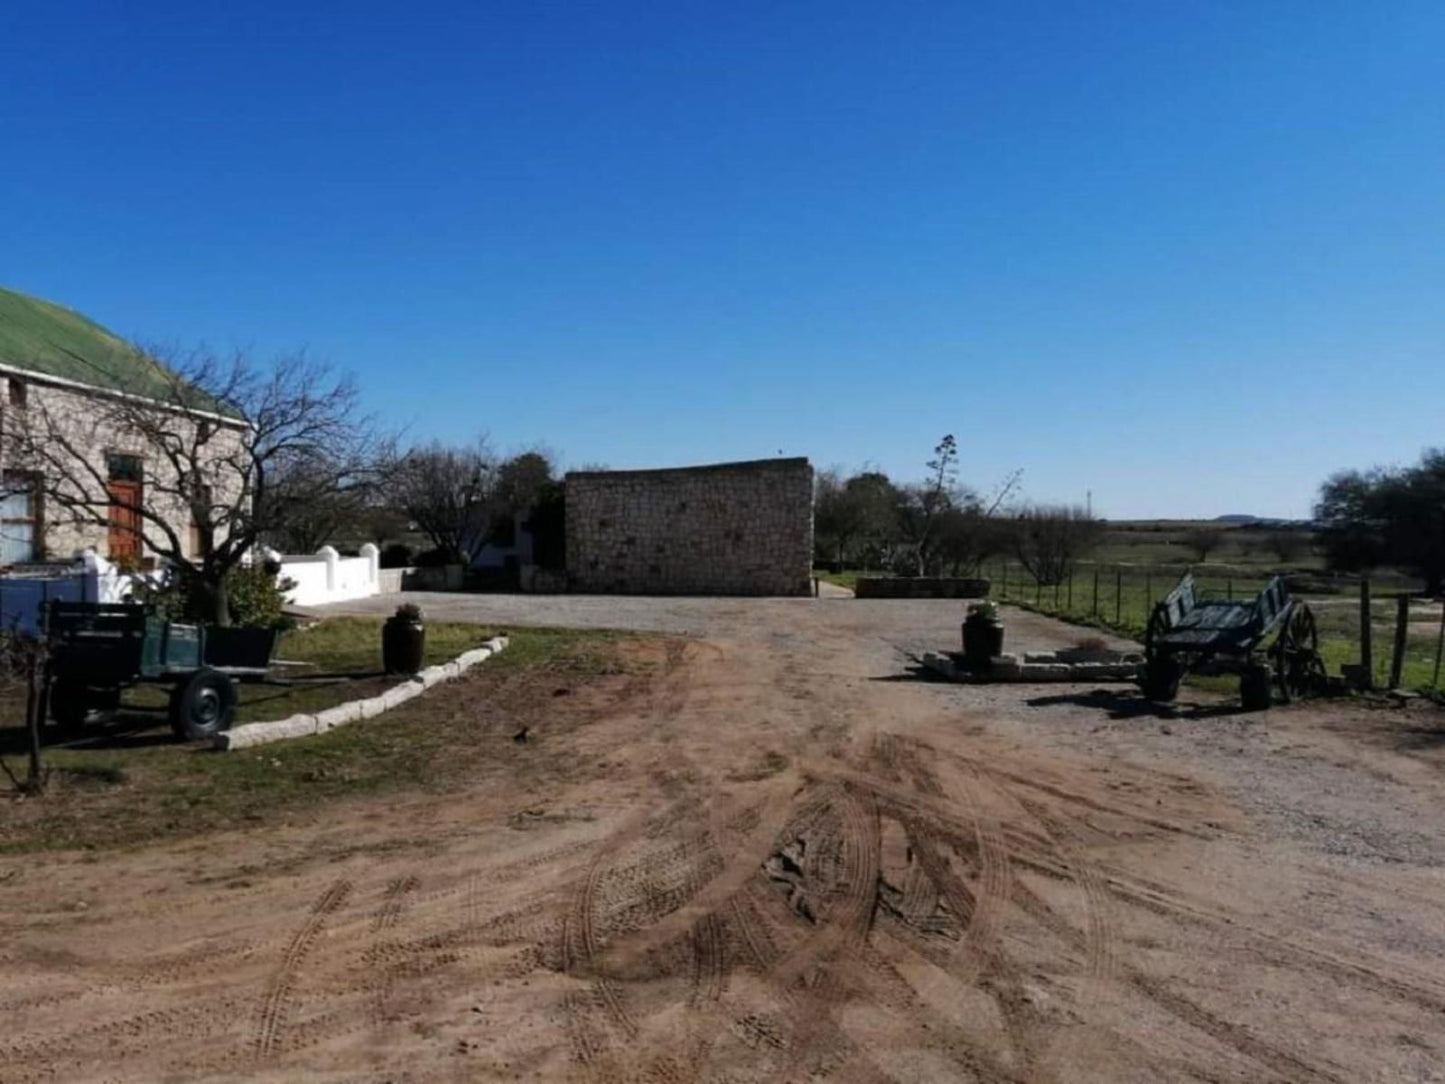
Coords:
pixel 19 518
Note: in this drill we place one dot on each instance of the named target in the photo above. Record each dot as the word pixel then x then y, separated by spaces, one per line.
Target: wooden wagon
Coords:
pixel 97 650
pixel 1186 635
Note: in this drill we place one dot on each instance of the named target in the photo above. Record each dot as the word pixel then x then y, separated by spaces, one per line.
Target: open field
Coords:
pixel 750 844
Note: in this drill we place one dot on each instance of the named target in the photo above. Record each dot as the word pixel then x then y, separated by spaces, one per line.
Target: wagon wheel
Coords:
pixel 1297 663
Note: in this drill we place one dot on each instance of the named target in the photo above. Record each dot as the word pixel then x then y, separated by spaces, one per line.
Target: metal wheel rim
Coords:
pixel 206 707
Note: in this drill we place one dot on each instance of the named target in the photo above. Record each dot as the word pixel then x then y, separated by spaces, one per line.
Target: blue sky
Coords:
pixel 1189 256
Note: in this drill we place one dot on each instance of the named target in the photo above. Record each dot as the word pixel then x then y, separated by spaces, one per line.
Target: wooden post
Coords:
pixel 1069 604
pixel 36 701
pixel 1096 590
pixel 1367 656
pixel 1119 595
pixel 1005 578
pixel 1229 587
pixel 1038 589
pixel 1439 645
pixel 1402 631
pixel 1057 585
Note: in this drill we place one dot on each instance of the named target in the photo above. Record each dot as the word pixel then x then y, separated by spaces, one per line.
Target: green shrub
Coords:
pixel 256 598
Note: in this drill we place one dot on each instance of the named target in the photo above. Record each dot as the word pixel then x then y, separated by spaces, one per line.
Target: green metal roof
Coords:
pixel 51 340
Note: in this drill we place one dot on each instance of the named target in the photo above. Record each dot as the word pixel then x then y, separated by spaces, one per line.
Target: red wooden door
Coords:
pixel 125 498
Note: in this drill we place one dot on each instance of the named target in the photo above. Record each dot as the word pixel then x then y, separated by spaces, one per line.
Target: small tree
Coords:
pixel 232 453
pixel 1202 541
pixel 1050 539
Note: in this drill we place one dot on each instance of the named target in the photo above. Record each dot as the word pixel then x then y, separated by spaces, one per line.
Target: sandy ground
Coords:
pixel 775 854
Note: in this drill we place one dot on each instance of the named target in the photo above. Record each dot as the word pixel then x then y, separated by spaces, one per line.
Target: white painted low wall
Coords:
pixel 326 576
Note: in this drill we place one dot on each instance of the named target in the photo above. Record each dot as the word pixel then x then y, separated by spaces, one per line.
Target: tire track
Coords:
pixel 1100 938
pixel 384 958
pixel 393 902
pixel 271 1019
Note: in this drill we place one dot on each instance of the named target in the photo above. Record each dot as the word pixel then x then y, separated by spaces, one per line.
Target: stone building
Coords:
pixel 725 529
pixel 80 381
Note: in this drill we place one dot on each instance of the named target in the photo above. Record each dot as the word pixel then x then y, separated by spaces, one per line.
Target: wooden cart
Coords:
pixel 99 649
pixel 1186 635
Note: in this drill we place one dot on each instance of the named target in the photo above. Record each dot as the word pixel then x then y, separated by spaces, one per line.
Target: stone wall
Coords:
pixel 728 529
pixel 89 422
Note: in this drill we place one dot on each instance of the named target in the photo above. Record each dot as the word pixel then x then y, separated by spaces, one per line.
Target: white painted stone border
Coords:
pixel 1036 668
pixel 300 726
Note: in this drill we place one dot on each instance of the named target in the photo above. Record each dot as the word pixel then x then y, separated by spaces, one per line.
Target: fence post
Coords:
pixel 1367 657
pixel 1096 590
pixel 1229 587
pixel 1057 585
pixel 1402 629
pixel 1439 646
pixel 1005 578
pixel 1119 595
pixel 1069 603
pixel 1038 589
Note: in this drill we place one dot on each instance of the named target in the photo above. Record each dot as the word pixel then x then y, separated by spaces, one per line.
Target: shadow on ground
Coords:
pixel 1133 705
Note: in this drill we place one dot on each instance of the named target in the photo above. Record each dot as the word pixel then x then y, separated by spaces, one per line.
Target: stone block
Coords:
pixel 250 734
pixel 1045 671
pixel 468 659
pixel 432 675
pixel 372 706
pixel 340 715
pixel 400 694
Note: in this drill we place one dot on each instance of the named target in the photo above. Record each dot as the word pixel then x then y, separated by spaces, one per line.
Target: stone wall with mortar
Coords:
pixel 727 529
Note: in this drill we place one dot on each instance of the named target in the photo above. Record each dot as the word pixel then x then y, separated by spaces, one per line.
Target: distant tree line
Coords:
pixel 937 526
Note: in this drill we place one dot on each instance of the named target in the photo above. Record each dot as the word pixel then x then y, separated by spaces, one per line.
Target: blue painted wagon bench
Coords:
pixel 1186 635
pixel 98 649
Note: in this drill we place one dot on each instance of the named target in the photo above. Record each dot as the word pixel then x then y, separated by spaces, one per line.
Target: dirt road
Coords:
pixel 767 852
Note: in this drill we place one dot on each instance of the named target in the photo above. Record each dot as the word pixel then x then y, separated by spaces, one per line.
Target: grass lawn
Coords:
pixel 140 786
pixel 847 578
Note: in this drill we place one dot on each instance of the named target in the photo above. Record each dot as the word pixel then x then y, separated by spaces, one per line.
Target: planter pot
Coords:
pixel 403 645
pixel 982 641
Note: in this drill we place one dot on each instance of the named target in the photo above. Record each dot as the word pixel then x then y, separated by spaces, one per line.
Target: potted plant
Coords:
pixel 403 640
pixel 982 635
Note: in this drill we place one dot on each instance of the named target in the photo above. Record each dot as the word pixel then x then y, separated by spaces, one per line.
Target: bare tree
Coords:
pixel 448 492
pixel 231 453
pixel 1049 539
pixel 315 523
pixel 1202 541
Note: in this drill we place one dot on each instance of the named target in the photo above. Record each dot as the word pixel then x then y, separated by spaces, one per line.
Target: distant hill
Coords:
pixel 1239 517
